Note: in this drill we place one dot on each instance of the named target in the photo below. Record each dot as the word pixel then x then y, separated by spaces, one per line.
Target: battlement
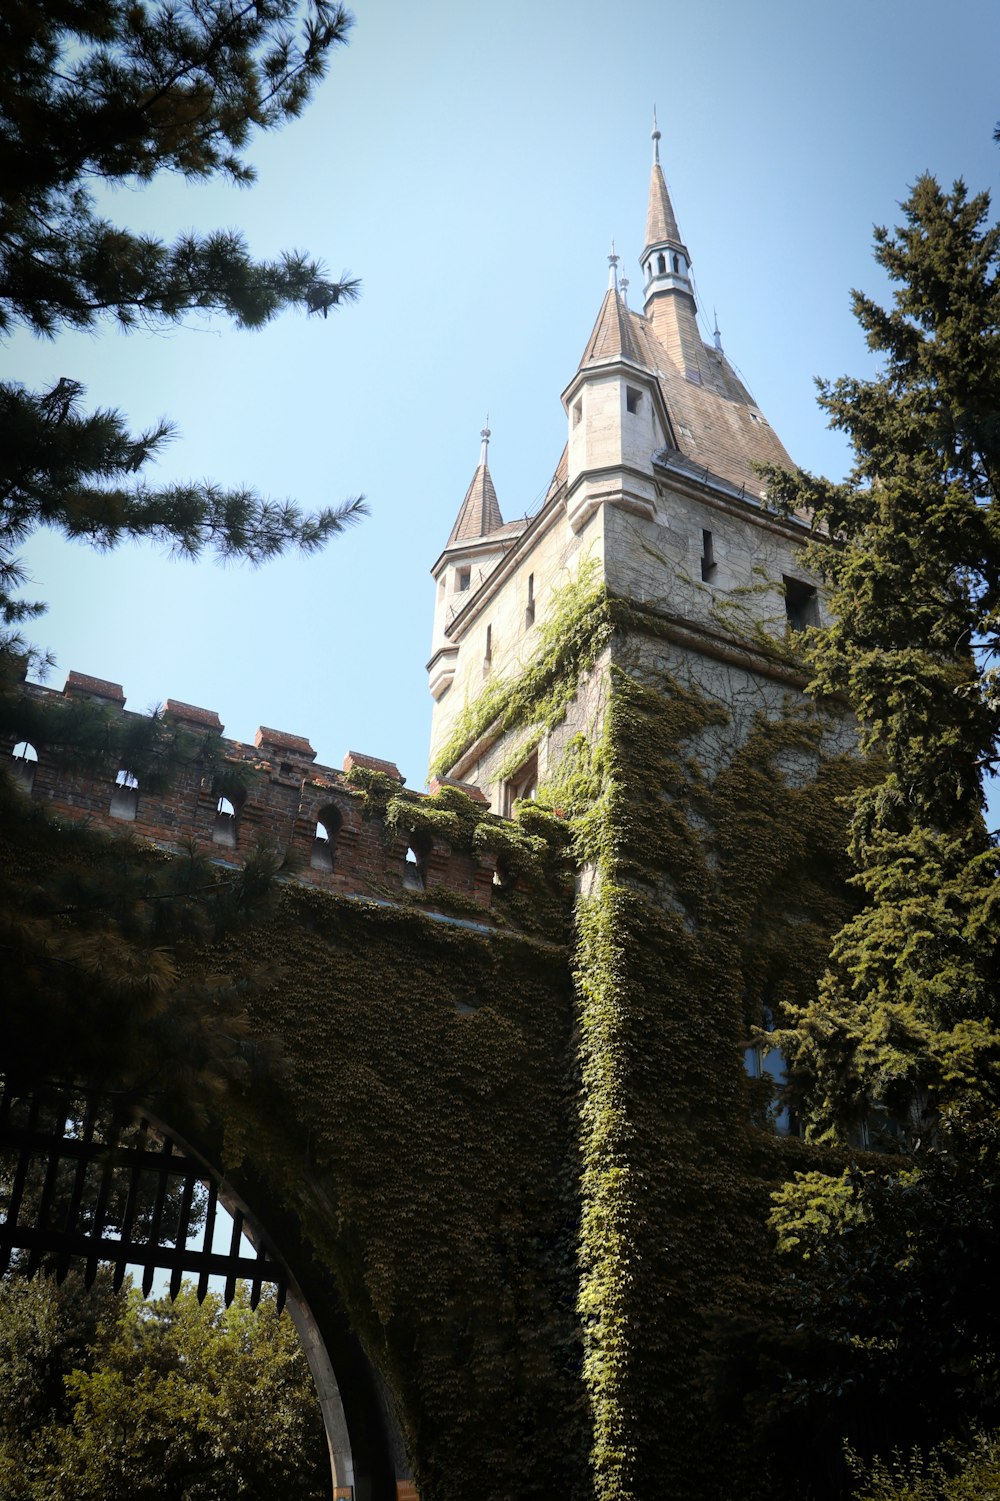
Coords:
pixel 272 791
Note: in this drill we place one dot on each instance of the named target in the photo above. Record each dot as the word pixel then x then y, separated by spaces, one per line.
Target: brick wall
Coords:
pixel 288 795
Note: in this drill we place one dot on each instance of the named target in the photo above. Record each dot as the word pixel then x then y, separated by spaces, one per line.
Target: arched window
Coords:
pixel 227 812
pixel 661 264
pixel 25 759
pixel 677 264
pixel 328 822
pixel 415 869
pixel 125 797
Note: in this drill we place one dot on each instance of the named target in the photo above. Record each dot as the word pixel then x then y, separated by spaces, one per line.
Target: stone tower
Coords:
pixel 630 655
pixel 657 487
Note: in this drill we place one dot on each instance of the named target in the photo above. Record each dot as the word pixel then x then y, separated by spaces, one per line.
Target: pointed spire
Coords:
pixel 661 225
pixel 613 269
pixel 716 336
pixel 480 510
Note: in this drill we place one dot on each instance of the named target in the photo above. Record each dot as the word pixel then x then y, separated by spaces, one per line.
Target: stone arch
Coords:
pixel 364 1447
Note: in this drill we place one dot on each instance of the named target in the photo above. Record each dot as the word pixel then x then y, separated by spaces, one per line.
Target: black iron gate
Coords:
pixel 82 1180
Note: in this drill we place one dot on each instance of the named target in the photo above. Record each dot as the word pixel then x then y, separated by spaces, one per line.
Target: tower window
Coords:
pixel 801 604
pixel 577 413
pixel 529 608
pixel 522 786
pixel 633 399
pixel 677 264
pixel 708 563
pixel 488 651
pixel 661 264
pixel 463 578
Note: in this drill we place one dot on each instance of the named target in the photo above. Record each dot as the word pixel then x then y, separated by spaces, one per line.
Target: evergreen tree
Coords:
pixel 900 1339
pixel 100 92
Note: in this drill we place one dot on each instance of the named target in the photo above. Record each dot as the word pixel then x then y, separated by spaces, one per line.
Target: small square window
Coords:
pixel 577 413
pixel 463 578
pixel 633 399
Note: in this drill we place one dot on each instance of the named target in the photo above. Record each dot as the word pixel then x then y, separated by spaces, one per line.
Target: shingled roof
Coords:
pixel 661 225
pixel 480 510
pixel 612 337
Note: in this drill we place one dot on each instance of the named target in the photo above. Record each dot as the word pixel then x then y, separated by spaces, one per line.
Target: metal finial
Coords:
pixel 656 138
pixel 613 269
pixel 623 285
pixel 485 435
pixel 717 337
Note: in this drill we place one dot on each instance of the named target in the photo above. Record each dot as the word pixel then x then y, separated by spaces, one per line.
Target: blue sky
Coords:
pixel 471 164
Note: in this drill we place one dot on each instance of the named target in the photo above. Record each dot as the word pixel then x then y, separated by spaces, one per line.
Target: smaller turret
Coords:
pixel 474 547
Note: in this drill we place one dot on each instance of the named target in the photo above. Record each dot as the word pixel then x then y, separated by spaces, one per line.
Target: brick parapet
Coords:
pixel 287 795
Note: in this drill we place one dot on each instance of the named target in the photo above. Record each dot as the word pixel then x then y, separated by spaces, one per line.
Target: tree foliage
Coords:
pixel 901 1047
pixel 113 1398
pixel 98 93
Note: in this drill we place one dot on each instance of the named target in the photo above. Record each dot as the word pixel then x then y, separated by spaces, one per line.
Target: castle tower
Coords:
pixel 631 659
pixel 657 487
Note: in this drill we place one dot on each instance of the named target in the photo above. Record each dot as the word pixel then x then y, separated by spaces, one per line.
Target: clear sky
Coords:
pixel 471 163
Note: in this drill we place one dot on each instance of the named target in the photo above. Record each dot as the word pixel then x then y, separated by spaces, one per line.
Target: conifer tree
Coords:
pixel 99 92
pixel 900 1335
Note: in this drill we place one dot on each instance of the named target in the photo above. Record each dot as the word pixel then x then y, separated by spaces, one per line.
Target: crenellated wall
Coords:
pixel 290 801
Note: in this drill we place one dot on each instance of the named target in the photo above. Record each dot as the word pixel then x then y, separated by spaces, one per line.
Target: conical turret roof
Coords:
pixel 480 511
pixel 612 337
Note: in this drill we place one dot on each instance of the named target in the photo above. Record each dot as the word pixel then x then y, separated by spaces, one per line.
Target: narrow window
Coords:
pixel 226 814
pixel 522 786
pixel 677 264
pixel 463 578
pixel 801 604
pixel 633 398
pixel 415 867
pixel 708 564
pixel 488 651
pixel 125 797
pixel 661 264
pixel 577 413
pixel 25 759
pixel 529 608
pixel 771 1066
pixel 328 823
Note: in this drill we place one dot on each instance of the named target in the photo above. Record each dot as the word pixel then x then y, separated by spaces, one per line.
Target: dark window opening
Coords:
pixel 463 578
pixel 708 563
pixel 529 609
pixel 488 651
pixel 633 399
pixel 801 604
pixel 328 823
pixel 677 264
pixel 661 264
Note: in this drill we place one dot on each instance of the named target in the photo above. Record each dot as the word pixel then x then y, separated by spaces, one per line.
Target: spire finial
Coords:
pixel 716 336
pixel 656 138
pixel 623 285
pixel 613 269
pixel 485 435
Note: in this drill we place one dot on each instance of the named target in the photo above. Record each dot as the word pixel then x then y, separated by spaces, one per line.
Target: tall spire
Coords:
pixel 661 225
pixel 480 510
pixel 669 301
